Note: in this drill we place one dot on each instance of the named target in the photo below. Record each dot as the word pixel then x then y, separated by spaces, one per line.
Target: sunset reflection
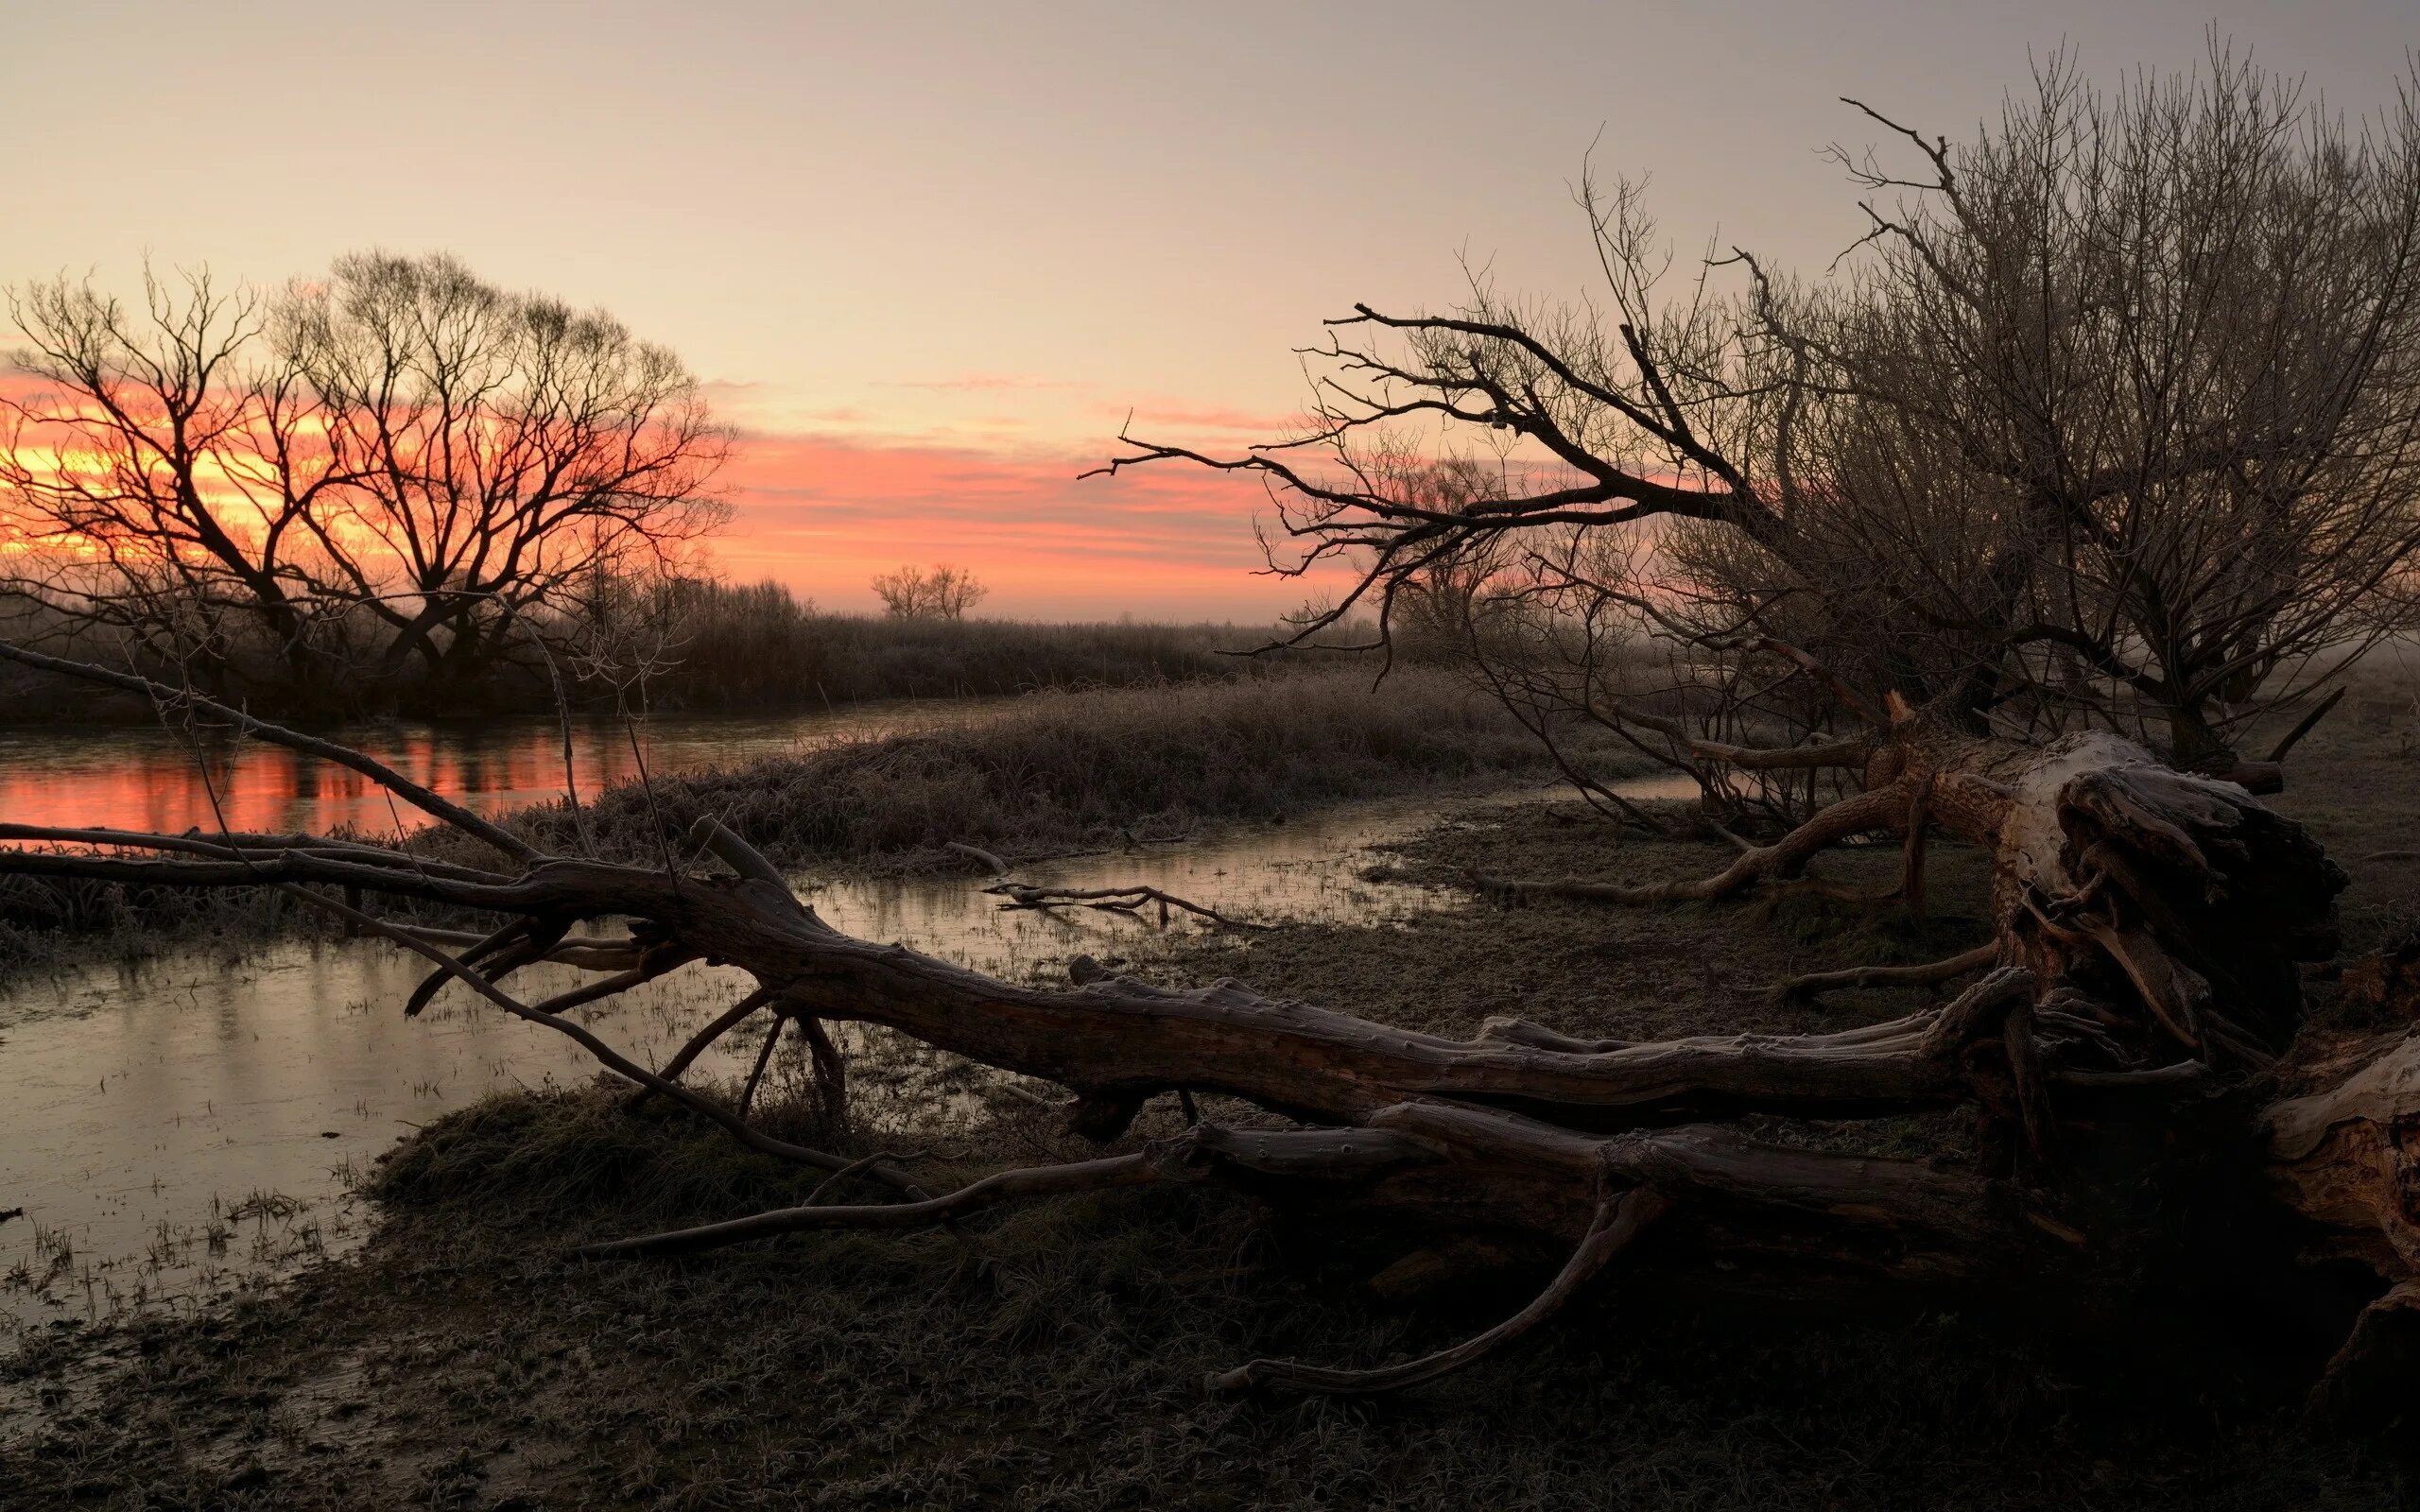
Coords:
pixel 149 779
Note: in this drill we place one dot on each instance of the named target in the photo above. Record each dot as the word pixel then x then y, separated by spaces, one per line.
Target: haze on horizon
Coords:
pixel 929 258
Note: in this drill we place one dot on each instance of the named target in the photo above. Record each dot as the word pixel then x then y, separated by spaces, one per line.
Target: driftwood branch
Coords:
pixel 1111 900
pixel 1620 1221
pixel 1929 973
pixel 2148 930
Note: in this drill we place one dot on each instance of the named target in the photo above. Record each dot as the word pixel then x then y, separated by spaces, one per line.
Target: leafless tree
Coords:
pixel 937 592
pixel 398 464
pixel 506 448
pixel 2077 1078
pixel 156 480
pixel 2112 421
pixel 2167 343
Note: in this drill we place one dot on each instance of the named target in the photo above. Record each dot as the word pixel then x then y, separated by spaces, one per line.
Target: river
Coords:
pixel 180 1127
pixel 143 777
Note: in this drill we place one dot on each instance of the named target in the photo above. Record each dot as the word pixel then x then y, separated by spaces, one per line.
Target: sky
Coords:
pixel 929 258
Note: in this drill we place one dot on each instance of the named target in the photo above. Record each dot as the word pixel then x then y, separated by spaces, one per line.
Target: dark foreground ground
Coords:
pixel 1057 1361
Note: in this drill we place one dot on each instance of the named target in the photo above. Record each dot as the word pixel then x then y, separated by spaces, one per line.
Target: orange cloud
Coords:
pixel 824 513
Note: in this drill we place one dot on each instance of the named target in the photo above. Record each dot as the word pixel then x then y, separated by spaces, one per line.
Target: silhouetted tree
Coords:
pixel 398 464
pixel 938 592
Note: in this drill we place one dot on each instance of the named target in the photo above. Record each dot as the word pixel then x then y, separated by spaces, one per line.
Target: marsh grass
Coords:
pixel 1053 772
pixel 1048 773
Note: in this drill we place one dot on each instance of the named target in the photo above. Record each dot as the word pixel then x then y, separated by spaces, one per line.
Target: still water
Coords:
pixel 191 1125
pixel 143 777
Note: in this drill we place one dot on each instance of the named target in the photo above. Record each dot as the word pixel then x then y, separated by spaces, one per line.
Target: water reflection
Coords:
pixel 183 1126
pixel 147 778
pixel 176 1128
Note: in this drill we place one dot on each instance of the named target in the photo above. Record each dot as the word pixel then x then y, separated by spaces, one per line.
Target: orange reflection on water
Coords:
pixel 145 777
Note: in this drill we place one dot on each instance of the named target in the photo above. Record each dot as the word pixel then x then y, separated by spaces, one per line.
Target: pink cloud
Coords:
pixel 990 381
pixel 824 513
pixel 1170 416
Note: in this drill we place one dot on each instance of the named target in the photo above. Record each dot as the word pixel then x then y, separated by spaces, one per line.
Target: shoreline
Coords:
pixel 454 1358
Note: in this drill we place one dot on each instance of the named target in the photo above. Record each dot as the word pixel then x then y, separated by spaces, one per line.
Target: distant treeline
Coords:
pixel 763 647
pixel 695 647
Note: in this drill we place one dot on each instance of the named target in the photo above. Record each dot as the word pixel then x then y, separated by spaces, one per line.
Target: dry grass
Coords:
pixel 1054 772
pixel 1048 773
pixel 459 1362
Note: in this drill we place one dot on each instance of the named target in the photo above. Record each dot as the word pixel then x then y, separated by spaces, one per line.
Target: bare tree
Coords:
pixel 937 592
pixel 2168 340
pixel 159 484
pixel 398 464
pixel 506 450
pixel 2117 420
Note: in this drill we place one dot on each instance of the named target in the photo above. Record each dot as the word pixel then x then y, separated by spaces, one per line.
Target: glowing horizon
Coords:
pixel 927 261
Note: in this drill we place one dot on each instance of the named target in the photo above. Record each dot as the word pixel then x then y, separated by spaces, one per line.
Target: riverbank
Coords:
pixel 457 1360
pixel 728 649
pixel 1045 774
pixel 1055 1359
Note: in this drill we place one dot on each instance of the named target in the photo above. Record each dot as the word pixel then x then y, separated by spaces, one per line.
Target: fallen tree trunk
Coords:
pixel 2142 1007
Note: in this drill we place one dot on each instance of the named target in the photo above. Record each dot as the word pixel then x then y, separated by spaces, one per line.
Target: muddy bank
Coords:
pixel 1041 776
pixel 455 1360
pixel 459 1364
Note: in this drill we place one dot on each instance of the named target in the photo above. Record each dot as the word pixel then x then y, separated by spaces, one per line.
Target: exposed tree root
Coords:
pixel 2150 927
pixel 1930 973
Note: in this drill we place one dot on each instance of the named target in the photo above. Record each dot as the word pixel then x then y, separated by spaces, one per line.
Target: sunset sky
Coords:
pixel 928 257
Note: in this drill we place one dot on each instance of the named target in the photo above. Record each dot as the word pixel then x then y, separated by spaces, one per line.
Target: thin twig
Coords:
pixel 1618 1221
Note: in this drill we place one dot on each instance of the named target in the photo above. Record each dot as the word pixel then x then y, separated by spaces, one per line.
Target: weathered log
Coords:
pixel 2148 930
pixel 2342 1152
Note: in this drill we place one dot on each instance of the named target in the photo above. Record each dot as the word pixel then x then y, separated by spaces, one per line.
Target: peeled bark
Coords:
pixel 2342 1152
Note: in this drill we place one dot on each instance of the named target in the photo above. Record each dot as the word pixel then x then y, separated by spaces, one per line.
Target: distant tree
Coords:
pixel 315 490
pixel 500 451
pixel 937 592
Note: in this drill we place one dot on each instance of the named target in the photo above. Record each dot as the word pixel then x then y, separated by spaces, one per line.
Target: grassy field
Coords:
pixel 1055 1360
pixel 721 648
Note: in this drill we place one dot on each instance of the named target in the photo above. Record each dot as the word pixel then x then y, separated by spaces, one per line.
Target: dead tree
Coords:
pixel 2108 426
pixel 399 465
pixel 2145 994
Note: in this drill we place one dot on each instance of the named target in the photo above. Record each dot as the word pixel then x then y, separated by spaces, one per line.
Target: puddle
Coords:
pixel 190 1125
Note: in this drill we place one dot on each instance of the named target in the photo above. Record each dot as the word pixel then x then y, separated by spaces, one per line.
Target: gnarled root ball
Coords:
pixel 2342 1136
